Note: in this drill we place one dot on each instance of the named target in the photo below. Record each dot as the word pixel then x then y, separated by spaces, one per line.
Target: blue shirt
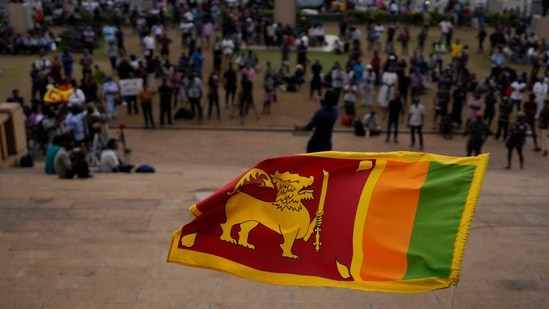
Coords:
pixel 49 168
pixel 197 60
pixel 359 71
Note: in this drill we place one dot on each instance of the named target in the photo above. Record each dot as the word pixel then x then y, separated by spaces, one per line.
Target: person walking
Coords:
pixel 322 122
pixel 394 109
pixel 478 132
pixel 530 108
pixel 145 97
pixel 517 137
pixel 165 93
pixel 416 118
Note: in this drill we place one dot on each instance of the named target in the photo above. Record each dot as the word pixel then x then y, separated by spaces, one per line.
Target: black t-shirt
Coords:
pixel 230 79
pixel 394 108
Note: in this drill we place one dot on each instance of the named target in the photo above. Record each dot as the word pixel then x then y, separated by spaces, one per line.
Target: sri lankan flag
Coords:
pixel 56 95
pixel 392 222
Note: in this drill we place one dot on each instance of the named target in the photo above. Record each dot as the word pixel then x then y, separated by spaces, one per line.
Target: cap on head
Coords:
pixel 479 114
pixel 520 114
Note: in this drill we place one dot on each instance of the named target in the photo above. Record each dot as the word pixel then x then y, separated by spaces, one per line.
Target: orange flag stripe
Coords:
pixel 394 198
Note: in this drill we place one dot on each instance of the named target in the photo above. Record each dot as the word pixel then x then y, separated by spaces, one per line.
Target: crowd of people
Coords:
pixel 376 74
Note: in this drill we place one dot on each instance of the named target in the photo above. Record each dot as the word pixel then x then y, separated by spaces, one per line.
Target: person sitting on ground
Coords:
pixel 371 123
pixel 69 161
pixel 51 152
pixel 110 162
pixel 294 82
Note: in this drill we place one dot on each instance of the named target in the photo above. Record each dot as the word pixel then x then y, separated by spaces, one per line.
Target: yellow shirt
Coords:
pixel 455 50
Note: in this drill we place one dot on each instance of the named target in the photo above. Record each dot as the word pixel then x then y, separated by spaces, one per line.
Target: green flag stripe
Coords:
pixel 440 207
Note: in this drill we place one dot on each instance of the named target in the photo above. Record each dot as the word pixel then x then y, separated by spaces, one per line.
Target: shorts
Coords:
pixel 269 96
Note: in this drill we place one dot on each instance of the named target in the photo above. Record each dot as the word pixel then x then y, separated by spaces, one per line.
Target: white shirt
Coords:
pixel 109 161
pixel 158 30
pixel 357 34
pixel 518 89
pixel 371 122
pixel 228 46
pixel 379 30
pixel 77 97
pixel 189 16
pixel 349 93
pixel 540 90
pixel 186 27
pixel 416 114
pixel 445 26
pixel 338 78
pixel 305 40
pixel 148 41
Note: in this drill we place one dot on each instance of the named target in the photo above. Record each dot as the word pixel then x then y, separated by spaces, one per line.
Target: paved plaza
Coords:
pixel 103 242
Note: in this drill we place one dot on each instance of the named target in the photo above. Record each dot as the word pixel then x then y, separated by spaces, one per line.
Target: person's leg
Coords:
pixel 521 157
pixel 389 124
pixel 395 136
pixel 534 136
pixel 145 116
pixel 420 135
pixel 413 135
pixel 210 103
pixel 216 102
pixel 509 156
pixel 193 103
pixel 162 113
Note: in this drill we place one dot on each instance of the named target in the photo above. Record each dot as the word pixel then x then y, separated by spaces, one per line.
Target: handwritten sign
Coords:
pixel 130 86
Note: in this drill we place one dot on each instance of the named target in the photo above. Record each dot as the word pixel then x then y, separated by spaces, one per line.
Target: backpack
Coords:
pixel 359 128
pixel 183 113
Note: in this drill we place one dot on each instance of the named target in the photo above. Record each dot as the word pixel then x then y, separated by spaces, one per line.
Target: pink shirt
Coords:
pixel 474 106
pixel 250 73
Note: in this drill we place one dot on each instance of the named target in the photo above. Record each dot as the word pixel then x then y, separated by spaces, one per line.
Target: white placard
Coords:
pixel 130 86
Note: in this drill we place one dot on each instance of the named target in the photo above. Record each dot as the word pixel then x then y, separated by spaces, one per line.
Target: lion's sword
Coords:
pixel 320 211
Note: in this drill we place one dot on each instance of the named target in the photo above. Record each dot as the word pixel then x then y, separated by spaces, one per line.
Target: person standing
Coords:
pixel 394 109
pixel 478 132
pixel 543 124
pixel 229 83
pixel 517 137
pixel 67 60
pixel 86 61
pixel 349 97
pixel 540 89
pixel 316 79
pixel 217 56
pixel 518 87
pixel 228 46
pixel 322 123
pixel 416 118
pixel 165 93
pixel 146 98
pixel 504 114
pixel 388 84
pixel 369 78
pixel 89 39
pixel 459 97
pixel 339 79
pixel 213 95
pixel 530 108
pixel 110 88
pixel 194 93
